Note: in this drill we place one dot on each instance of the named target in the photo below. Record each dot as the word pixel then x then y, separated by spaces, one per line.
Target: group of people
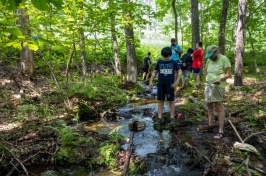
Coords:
pixel 218 69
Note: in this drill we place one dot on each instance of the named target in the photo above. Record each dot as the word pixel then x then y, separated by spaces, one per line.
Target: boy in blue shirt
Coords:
pixel 176 50
pixel 169 74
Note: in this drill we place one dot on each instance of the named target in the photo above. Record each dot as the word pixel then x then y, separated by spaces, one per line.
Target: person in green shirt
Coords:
pixel 218 69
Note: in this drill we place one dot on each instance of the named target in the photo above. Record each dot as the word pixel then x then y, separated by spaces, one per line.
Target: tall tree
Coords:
pixel 240 42
pixel 82 47
pixel 222 26
pixel 175 16
pixel 195 22
pixel 132 72
pixel 115 48
pixel 26 54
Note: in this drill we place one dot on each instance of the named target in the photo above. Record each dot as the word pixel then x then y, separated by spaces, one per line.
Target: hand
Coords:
pixel 217 82
pixel 174 85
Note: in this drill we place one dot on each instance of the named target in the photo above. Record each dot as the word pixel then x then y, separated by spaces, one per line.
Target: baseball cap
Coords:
pixel 210 50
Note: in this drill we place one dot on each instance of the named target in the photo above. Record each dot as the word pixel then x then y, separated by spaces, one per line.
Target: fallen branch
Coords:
pixel 17 161
pixel 239 137
pixel 253 134
pixel 259 170
pixel 15 167
pixel 128 154
pixel 190 146
pixel 227 123
pixel 194 100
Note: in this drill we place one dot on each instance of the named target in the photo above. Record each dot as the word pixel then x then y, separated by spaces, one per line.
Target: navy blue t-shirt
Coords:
pixel 166 71
pixel 145 62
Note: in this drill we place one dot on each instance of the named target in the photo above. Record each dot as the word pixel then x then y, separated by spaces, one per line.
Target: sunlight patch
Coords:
pixel 5 81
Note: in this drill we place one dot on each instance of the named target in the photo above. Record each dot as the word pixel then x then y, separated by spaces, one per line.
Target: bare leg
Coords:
pixel 143 76
pixel 220 110
pixel 210 112
pixel 172 109
pixel 147 76
pixel 198 79
pixel 160 108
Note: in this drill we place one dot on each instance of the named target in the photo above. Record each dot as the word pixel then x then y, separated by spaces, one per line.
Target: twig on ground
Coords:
pixel 253 134
pixel 239 137
pixel 25 170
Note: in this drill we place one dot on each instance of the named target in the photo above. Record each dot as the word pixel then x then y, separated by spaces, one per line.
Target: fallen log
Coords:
pixel 194 100
pixel 227 123
pixel 128 154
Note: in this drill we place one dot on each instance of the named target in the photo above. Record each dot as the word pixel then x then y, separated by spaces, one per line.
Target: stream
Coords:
pixel 159 149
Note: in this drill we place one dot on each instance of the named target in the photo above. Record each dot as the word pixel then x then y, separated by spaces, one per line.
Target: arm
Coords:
pixel 149 63
pixel 152 77
pixel 226 76
pixel 195 53
pixel 178 49
pixel 178 77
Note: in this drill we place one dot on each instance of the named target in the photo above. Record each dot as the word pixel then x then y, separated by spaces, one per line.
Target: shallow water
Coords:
pixel 162 156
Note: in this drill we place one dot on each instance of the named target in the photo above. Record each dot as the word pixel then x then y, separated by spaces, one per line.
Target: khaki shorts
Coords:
pixel 213 93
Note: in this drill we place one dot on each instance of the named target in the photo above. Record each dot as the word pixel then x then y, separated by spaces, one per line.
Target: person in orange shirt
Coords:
pixel 197 57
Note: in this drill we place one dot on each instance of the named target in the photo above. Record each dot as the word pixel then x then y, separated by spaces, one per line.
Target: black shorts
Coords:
pixel 146 70
pixel 165 90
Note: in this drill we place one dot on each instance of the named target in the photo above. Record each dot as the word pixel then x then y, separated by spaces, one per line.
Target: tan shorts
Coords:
pixel 213 93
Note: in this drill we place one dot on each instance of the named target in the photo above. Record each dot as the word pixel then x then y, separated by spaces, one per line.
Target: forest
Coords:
pixel 73 100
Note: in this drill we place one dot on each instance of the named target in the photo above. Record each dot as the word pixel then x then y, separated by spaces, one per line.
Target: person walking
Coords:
pixel 169 74
pixel 197 58
pixel 218 69
pixel 146 67
pixel 186 63
pixel 176 50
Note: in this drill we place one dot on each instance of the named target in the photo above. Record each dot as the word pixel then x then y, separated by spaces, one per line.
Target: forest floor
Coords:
pixel 28 141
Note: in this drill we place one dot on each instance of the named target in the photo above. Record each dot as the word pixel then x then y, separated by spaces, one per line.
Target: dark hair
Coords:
pixel 200 44
pixel 172 39
pixel 190 50
pixel 149 53
pixel 166 51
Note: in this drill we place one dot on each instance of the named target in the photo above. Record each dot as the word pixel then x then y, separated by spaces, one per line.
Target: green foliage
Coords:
pixel 115 136
pixel 44 4
pixel 103 88
pixel 68 135
pixel 26 111
pixel 69 140
pixel 138 168
pixel 11 4
pixel 108 154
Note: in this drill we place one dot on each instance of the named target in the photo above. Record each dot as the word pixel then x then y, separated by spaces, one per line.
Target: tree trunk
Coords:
pixel 180 26
pixel 175 16
pixel 201 19
pixel 27 63
pixel 222 27
pixel 82 53
pixel 195 22
pixel 82 48
pixel 26 55
pixel 115 49
pixel 132 72
pixel 240 42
